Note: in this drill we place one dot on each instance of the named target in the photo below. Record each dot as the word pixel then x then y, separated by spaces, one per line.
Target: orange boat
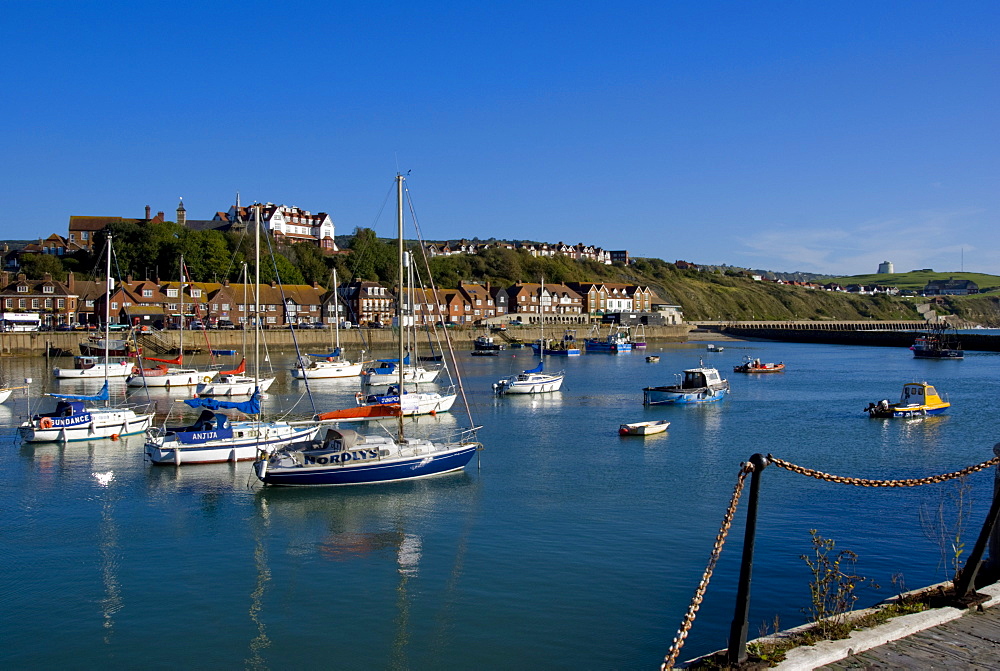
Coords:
pixel 755 366
pixel 362 413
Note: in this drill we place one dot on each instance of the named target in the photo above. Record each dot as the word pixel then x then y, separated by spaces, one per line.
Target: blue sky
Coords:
pixel 820 137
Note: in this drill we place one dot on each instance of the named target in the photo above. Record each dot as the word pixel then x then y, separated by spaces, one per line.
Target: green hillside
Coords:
pixel 915 280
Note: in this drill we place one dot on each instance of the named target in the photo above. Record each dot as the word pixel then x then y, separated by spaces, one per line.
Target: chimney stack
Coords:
pixel 147 212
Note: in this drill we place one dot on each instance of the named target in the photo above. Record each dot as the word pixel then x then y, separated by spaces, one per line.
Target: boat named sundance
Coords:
pixel 699 385
pixel 918 399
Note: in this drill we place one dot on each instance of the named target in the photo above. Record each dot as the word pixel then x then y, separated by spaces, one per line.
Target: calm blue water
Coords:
pixel 569 547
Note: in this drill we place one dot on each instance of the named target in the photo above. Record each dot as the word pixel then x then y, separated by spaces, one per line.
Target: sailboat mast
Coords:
pixel 181 325
pixel 107 316
pixel 399 301
pixel 336 312
pixel 256 300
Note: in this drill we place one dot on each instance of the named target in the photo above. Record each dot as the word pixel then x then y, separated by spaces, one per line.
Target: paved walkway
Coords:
pixel 969 642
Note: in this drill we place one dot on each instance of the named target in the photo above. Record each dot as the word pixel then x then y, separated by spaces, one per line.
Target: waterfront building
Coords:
pixel 48 298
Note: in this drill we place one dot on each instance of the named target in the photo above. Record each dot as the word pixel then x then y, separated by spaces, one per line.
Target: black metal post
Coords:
pixel 737 650
pixel 966 584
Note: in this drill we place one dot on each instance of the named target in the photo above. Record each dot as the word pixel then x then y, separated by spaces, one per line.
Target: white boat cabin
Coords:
pixel 697 378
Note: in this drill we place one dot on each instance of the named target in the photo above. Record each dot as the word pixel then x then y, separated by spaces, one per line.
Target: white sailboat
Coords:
pixel 173 375
pixel 235 382
pixel 536 380
pixel 214 437
pixel 346 457
pixel 332 365
pixel 73 420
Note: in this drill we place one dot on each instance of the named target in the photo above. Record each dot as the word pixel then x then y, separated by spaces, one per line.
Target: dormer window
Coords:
pixel 22 288
pixel 147 293
pixel 48 289
pixel 171 293
pixel 195 293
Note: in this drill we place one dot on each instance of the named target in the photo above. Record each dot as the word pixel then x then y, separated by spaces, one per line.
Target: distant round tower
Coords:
pixel 885 268
pixel 182 216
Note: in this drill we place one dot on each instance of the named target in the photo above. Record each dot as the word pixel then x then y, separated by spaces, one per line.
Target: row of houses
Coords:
pixel 577 252
pixel 165 304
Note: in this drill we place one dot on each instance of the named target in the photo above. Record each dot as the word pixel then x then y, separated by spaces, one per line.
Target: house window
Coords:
pixel 34 303
pixel 147 293
pixel 272 320
pixel 22 288
pixel 48 303
pixel 84 235
pixel 10 303
pixel 22 303
pixel 171 306
pixel 171 293
pixel 72 237
pixel 89 303
pixel 60 303
pixel 48 289
pixel 196 293
pixel 225 307
pixel 114 305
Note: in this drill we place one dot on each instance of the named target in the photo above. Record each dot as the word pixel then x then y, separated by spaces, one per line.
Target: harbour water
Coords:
pixel 562 546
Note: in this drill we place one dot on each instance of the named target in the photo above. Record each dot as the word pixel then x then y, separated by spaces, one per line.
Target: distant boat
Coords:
pixel 643 428
pixel 711 347
pixel 937 344
pixel 918 399
pixel 699 385
pixel 755 366
pixel 652 358
pixel 618 340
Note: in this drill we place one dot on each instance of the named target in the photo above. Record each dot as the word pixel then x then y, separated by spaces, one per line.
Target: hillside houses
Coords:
pixel 577 252
pixel 951 287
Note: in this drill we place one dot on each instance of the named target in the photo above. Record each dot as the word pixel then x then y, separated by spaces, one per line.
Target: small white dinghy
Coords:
pixel 643 428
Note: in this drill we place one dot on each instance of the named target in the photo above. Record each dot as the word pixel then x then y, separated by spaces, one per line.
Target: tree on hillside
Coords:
pixel 372 259
pixel 35 266
pixel 308 258
pixel 206 255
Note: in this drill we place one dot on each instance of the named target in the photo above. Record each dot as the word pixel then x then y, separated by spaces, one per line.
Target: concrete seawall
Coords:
pixel 313 340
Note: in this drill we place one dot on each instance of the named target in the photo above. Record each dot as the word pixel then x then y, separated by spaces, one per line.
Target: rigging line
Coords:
pixel 437 304
pixel 295 340
pixel 133 331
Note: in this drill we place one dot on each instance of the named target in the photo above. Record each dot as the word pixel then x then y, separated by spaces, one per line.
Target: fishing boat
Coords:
pixel 617 341
pixel 214 437
pixel 74 420
pixel 568 346
pixel 94 367
pixel 643 428
pixel 752 365
pixel 939 343
pixel 918 399
pixel 346 457
pixel 485 343
pixel 698 385
pixel 653 358
pixel 332 364
pixel 172 375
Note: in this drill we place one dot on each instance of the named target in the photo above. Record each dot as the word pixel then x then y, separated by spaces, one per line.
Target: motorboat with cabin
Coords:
pixel 698 385
pixel 918 399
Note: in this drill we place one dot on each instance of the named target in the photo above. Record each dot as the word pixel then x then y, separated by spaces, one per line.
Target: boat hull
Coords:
pixel 643 428
pixel 241 386
pixel 905 412
pixel 535 384
pixel 364 471
pixel 180 378
pixel 247 448
pixel 411 375
pixel 103 424
pixel 676 395
pixel 94 372
pixel 320 370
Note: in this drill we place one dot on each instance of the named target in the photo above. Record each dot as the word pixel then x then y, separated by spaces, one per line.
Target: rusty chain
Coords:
pixel 745 469
pixel 699 594
pixel 862 482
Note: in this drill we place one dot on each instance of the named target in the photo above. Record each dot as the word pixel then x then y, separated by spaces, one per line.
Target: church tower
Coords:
pixel 181 213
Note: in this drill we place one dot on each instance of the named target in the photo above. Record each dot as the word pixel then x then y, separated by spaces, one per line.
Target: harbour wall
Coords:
pixel 312 340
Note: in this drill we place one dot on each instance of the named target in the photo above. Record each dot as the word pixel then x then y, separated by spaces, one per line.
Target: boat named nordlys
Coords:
pixel 699 385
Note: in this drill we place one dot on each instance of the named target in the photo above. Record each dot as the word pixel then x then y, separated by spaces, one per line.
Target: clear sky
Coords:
pixel 793 136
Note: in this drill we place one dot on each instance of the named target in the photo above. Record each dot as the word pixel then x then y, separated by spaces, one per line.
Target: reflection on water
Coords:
pixel 110 554
pixel 260 642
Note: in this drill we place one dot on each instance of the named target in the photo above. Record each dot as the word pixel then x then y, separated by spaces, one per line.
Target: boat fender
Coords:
pixel 135 370
pixel 330 359
pixel 208 378
pixel 45 422
pixel 114 436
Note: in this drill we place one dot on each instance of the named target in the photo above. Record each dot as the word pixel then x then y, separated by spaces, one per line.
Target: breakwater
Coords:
pixel 877 334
